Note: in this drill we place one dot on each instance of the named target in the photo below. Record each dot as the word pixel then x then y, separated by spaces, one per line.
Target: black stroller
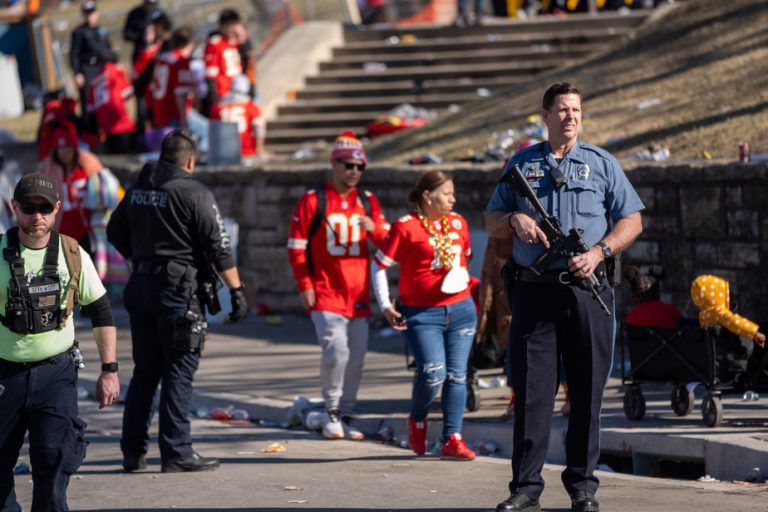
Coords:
pixel 712 356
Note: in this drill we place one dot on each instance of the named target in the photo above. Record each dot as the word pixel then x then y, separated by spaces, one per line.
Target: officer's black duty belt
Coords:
pixel 13 366
pixel 149 267
pixel 560 276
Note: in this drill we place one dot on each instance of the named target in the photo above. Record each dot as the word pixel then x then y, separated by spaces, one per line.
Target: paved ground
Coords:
pixel 261 367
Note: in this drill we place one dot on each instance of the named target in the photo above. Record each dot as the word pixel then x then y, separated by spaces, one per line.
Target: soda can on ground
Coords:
pixel 744 152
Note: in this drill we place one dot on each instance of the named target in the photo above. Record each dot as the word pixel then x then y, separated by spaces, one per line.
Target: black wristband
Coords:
pixel 509 221
pixel 109 367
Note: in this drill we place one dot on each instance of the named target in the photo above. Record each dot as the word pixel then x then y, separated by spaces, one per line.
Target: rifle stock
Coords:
pixel 560 244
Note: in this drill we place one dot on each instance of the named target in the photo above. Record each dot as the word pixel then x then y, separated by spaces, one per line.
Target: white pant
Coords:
pixel 344 342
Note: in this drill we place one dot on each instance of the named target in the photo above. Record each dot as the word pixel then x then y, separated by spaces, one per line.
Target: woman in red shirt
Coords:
pixel 436 313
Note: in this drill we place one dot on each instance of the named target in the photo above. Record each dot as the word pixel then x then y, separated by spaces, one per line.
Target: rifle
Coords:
pixel 561 245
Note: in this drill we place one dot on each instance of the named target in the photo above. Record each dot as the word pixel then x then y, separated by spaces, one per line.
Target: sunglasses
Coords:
pixel 349 166
pixel 33 208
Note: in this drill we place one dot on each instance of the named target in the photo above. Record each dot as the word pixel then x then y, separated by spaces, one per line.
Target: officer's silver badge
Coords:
pixel 46 318
pixel 583 172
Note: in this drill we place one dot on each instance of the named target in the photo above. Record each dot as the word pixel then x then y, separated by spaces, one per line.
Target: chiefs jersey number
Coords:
pixel 343 234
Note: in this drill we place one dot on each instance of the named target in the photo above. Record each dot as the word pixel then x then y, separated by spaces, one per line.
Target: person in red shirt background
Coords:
pixel 331 271
pixel 238 107
pixel 223 61
pixel 58 109
pixel 435 313
pixel 649 310
pixel 172 84
pixel 107 93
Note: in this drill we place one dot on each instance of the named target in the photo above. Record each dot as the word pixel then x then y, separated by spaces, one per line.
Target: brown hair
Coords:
pixel 645 288
pixel 556 90
pixel 428 182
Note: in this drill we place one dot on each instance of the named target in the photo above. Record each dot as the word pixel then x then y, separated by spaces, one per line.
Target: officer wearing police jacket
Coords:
pixel 41 275
pixel 170 228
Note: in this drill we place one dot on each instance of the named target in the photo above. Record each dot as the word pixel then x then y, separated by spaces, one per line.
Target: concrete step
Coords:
pixel 300 136
pixel 405 87
pixel 308 120
pixel 523 69
pixel 543 52
pixel 374 104
pixel 541 24
pixel 509 40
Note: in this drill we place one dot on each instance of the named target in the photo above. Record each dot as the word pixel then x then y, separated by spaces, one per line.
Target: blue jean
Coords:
pixel 440 339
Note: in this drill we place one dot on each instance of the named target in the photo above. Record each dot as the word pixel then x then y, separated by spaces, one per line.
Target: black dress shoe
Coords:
pixel 519 502
pixel 194 462
pixel 584 501
pixel 131 463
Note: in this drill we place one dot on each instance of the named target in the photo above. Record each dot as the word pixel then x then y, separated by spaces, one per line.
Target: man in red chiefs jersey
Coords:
pixel 107 94
pixel 238 107
pixel 172 82
pixel 332 274
pixel 222 56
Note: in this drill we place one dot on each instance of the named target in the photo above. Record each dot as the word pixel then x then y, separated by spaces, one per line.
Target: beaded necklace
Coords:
pixel 442 242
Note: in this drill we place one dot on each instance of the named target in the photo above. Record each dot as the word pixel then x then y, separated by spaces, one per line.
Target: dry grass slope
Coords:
pixel 706 60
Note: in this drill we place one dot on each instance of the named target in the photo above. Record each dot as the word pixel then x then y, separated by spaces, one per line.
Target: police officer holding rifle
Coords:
pixel 170 228
pixel 561 293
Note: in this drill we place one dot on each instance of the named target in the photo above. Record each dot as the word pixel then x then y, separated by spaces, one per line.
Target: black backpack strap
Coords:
pixel 366 202
pixel 12 253
pixel 317 220
pixel 51 263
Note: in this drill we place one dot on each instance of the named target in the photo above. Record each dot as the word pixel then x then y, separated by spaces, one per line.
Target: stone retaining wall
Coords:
pixel 700 219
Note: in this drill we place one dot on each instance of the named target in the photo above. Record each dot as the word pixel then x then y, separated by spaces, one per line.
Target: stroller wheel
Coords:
pixel 473 397
pixel 712 411
pixel 682 400
pixel 634 403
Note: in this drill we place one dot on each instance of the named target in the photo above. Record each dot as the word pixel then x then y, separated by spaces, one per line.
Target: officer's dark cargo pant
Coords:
pixel 43 400
pixel 551 322
pixel 157 310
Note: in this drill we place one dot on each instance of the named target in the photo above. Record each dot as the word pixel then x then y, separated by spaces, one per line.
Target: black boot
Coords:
pixel 194 462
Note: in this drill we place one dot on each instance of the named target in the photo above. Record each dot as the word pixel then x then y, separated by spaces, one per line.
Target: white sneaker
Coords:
pixel 332 429
pixel 351 432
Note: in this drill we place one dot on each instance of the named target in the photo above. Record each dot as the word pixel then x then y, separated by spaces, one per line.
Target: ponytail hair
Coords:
pixel 428 182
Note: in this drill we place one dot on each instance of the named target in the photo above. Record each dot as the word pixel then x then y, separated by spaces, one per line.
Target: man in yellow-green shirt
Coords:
pixel 38 375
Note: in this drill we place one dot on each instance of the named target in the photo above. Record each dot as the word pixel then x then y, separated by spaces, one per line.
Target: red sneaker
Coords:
pixel 417 436
pixel 456 449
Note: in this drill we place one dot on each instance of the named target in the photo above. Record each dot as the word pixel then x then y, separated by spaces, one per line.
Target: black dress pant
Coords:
pixel 157 311
pixel 553 323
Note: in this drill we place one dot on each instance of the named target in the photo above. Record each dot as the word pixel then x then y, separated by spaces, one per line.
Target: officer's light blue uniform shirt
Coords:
pixel 596 193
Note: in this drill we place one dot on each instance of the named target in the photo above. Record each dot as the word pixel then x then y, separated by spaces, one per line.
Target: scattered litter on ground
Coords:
pixel 274 448
pixel 605 467
pixel 543 48
pixel 203 412
pixel 708 479
pixel 314 420
pixel 483 92
pixel 648 103
pixel 246 452
pixel 653 152
pixel 453 108
pixel 374 67
pixel 401 117
pixel 297 501
pixel 750 396
pixel 386 434
pixel 408 39
pixel 274 320
pixel 427 158
pixel 392 40
pixel 486 448
pixel 493 37
pixel 292 488
pixel 22 468
pixel 706 154
pixel 400 465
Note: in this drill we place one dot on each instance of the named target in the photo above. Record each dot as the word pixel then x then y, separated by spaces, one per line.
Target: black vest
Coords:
pixel 33 301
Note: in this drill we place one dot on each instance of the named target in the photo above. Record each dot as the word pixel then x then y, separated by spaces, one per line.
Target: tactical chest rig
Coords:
pixel 34 303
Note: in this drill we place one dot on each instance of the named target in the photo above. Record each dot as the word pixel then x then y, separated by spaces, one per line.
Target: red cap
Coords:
pixel 65 135
pixel 348 147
